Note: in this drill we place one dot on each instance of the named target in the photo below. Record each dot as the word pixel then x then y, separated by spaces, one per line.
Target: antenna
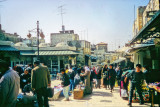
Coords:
pixel 61 12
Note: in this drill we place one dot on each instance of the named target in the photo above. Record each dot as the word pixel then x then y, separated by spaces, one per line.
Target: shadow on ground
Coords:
pixel 108 101
pixel 104 94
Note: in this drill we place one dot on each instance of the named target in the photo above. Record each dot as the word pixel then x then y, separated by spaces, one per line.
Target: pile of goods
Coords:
pixel 57 91
pixel 155 85
pixel 145 93
pixel 79 91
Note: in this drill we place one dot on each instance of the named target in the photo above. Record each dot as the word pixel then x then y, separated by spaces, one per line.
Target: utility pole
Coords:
pixel 134 21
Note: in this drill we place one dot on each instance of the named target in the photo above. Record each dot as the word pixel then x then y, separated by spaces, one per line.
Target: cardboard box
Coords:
pixel 77 94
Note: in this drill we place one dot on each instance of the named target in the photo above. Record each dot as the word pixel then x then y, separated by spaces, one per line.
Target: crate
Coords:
pixel 78 94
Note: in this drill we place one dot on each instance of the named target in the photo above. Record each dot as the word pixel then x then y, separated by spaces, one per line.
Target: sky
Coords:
pixel 97 21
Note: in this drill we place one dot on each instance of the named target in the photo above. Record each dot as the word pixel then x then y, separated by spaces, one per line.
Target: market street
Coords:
pixel 99 98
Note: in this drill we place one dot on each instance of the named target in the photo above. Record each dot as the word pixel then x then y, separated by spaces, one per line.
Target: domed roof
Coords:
pixel 21 44
pixel 62 44
pixel 44 45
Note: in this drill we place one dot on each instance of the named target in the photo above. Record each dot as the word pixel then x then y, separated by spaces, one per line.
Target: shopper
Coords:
pixel 77 77
pixel 40 80
pixel 112 76
pixel 136 77
pixel 86 76
pixel 82 72
pixel 124 85
pixel 66 69
pixel 146 73
pixel 98 77
pixel 92 76
pixel 65 84
pixel 25 78
pixel 9 85
pixel 30 66
pixel 105 77
pixel 71 78
pixel 119 74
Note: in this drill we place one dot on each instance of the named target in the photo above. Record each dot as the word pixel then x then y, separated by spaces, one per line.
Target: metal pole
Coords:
pixel 38 38
pixel 134 22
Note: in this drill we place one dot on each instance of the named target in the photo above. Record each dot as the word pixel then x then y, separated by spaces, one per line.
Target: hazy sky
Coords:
pixel 106 20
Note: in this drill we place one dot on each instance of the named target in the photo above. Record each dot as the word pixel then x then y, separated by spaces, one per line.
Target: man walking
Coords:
pixel 71 74
pixel 9 85
pixel 40 80
pixel 65 83
pixel 112 76
pixel 119 74
pixel 136 82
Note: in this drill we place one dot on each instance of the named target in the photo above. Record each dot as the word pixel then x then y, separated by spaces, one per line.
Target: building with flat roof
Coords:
pixel 63 36
pixel 102 46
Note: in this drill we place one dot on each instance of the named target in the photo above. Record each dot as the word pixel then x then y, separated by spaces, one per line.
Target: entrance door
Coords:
pixel 61 64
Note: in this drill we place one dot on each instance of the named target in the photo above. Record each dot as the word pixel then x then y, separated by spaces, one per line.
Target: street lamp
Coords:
pixel 39 33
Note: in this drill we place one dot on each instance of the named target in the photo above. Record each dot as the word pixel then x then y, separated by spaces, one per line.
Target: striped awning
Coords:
pixel 54 53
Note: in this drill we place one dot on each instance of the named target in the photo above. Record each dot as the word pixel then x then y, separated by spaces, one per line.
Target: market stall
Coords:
pixel 154 89
pixel 79 92
pixel 125 89
pixel 57 91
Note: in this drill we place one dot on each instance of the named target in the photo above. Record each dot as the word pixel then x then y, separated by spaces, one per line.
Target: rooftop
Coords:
pixel 102 43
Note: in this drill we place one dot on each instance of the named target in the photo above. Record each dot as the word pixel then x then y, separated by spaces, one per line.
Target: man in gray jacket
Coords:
pixel 40 79
pixel 9 85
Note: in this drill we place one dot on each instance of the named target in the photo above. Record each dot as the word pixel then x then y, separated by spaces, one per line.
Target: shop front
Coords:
pixel 145 50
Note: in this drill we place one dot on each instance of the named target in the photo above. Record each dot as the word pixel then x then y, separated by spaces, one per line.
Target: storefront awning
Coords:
pixel 136 49
pixel 57 53
pixel 119 60
pixel 27 53
pixel 8 48
pixel 54 53
pixel 151 28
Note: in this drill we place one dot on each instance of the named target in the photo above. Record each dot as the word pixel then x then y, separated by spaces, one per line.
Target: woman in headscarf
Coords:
pixel 86 76
pixel 105 77
pixel 98 77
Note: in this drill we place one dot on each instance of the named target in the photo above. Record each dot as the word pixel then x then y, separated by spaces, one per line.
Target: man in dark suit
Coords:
pixel 40 80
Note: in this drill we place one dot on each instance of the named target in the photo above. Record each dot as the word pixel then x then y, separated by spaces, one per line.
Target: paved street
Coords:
pixel 99 98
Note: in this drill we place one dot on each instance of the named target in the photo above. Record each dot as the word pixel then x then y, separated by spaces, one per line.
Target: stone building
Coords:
pixel 102 46
pixel 9 36
pixel 84 47
pixel 63 36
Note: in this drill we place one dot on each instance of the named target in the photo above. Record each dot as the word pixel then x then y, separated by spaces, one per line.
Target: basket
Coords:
pixel 77 94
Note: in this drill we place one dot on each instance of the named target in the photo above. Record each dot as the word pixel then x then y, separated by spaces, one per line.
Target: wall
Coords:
pixel 58 37
pixel 153 5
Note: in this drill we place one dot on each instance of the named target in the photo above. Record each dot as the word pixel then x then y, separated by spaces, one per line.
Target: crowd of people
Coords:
pixel 90 77
pixel 72 76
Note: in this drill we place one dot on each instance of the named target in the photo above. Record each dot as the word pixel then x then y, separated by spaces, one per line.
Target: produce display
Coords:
pixel 155 85
pixel 145 93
